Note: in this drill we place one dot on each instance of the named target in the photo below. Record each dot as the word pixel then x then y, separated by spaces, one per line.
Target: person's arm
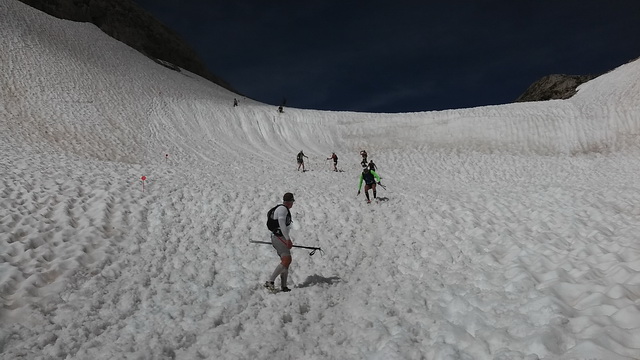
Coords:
pixel 281 215
pixel 375 175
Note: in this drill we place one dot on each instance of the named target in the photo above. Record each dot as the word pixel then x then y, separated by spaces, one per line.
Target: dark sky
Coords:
pixel 401 56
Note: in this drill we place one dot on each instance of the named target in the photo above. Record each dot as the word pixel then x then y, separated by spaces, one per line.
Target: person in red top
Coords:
pixel 363 153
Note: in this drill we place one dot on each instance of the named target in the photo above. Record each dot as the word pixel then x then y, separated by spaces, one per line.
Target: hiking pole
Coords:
pixel 384 187
pixel 296 246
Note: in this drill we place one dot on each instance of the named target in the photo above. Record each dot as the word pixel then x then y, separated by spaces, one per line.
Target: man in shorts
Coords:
pixel 281 241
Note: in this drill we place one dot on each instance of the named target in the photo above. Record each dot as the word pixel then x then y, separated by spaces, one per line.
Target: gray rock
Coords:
pixel 556 86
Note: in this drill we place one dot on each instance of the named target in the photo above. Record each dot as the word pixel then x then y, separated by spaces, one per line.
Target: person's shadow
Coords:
pixel 318 279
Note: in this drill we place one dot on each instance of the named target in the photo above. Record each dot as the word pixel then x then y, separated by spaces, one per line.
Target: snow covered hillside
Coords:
pixel 503 232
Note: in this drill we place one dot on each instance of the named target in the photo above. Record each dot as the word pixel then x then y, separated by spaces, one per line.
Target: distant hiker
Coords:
pixel 279 222
pixel 300 159
pixel 363 153
pixel 280 109
pixel 335 161
pixel 369 177
pixel 372 166
pixel 235 102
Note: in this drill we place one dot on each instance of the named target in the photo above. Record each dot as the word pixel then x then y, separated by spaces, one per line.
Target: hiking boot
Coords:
pixel 269 285
pixel 285 289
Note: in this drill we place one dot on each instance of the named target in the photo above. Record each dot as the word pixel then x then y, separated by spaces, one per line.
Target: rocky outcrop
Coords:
pixel 127 22
pixel 557 86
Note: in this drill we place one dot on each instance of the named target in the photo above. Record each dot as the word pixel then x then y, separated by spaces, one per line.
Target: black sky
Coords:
pixel 401 56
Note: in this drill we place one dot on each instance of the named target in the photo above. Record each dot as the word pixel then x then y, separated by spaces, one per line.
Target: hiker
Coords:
pixel 280 109
pixel 363 153
pixel 235 102
pixel 335 161
pixel 372 166
pixel 300 159
pixel 369 177
pixel 281 241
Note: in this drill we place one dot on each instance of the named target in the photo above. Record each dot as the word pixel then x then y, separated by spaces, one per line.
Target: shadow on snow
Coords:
pixel 318 279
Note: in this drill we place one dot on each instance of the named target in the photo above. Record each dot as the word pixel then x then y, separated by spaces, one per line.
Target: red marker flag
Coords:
pixel 143 178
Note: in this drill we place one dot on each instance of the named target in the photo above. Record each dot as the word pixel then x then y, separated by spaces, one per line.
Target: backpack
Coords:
pixel 272 224
pixel 300 157
pixel 368 177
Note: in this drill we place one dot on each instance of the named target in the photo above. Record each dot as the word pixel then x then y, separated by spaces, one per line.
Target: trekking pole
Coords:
pixel 384 187
pixel 296 246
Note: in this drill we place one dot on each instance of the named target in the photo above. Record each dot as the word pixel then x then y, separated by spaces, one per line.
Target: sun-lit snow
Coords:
pixel 504 232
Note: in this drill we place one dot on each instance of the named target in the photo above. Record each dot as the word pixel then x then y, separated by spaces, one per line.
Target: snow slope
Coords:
pixel 505 232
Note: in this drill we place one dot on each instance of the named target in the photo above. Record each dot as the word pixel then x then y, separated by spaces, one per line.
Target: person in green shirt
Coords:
pixel 370 178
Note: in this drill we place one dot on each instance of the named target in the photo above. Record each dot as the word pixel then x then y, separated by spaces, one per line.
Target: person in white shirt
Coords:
pixel 279 224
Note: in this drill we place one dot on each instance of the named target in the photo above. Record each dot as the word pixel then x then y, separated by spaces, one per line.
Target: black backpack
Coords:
pixel 272 224
pixel 368 178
